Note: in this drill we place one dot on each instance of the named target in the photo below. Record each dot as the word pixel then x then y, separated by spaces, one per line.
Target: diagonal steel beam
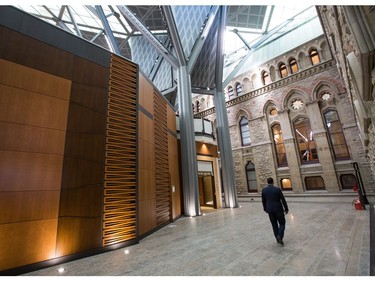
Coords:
pixel 202 38
pixel 58 20
pixel 119 20
pixel 270 17
pixel 173 32
pixel 149 36
pixel 78 31
pixel 242 39
pixel 107 29
pixel 254 47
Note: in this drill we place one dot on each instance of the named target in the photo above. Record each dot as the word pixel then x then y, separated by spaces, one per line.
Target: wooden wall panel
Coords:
pixel 34 81
pixel 35 54
pixel 89 73
pixel 18 137
pixel 77 234
pixel 146 155
pixel 145 127
pixel 120 179
pixel 146 185
pixel 147 217
pixel 33 113
pixel 82 201
pixel 83 172
pixel 93 97
pixel 28 205
pixel 23 171
pixel 171 119
pixel 146 93
pixel 27 242
pixel 25 107
pixel 162 180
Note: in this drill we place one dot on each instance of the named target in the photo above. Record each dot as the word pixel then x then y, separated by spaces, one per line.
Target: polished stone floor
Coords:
pixel 321 239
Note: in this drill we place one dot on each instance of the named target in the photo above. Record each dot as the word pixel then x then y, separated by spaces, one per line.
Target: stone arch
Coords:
pixel 247 85
pixel 268 105
pixel 324 86
pixel 263 74
pixel 295 94
pixel 253 79
pixel 203 103
pixel 281 64
pixel 242 112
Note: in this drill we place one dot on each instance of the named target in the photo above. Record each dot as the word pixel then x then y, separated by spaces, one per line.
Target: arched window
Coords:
pixel 283 71
pixel 305 141
pixel 251 177
pixel 265 78
pixel 239 89
pixel 279 145
pixel 293 66
pixel 286 184
pixel 314 57
pixel 314 183
pixel 197 107
pixel 336 135
pixel 348 181
pixel 245 131
pixel 230 93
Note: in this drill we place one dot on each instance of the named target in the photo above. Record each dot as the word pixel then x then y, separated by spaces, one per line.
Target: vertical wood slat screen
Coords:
pixel 119 208
pixel 162 190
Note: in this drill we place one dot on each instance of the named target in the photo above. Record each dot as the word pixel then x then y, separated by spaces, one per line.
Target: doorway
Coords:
pixel 207 197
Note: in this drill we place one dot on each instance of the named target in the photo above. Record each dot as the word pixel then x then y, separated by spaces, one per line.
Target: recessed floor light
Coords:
pixel 61 270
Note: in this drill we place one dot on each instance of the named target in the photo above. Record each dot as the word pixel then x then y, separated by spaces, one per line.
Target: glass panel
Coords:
pixel 336 136
pixel 245 131
pixel 283 71
pixel 230 93
pixel 305 141
pixel 279 145
pixel 266 78
pixel 251 177
pixel 293 66
pixel 314 56
pixel 314 183
pixel 286 184
pixel 348 181
pixel 239 89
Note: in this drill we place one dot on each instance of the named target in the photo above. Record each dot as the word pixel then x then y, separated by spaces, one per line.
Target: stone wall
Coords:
pixel 307 84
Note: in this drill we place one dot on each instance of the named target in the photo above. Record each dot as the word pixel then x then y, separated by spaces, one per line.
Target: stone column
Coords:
pixel 291 153
pixel 323 148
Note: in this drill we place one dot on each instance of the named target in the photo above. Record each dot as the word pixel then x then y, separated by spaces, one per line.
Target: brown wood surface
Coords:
pixel 27 242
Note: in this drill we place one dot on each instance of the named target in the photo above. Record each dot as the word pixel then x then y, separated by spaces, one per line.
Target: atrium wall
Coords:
pixel 256 100
pixel 88 148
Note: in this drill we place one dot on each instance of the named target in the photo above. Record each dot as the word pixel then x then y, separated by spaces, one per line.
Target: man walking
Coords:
pixel 274 204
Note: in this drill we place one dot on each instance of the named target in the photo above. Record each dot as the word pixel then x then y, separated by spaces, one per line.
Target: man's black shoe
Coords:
pixel 279 240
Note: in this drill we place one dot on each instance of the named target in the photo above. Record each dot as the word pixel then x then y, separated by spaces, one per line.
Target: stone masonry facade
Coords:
pixel 298 95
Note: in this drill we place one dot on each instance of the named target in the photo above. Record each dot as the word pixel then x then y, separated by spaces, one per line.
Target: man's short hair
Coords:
pixel 270 180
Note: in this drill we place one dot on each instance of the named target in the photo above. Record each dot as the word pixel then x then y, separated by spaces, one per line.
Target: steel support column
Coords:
pixel 188 151
pixel 227 169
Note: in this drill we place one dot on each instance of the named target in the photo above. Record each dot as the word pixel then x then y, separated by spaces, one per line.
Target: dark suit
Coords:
pixel 275 205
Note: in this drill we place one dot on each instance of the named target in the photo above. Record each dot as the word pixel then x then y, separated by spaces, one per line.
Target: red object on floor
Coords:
pixel 357 204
